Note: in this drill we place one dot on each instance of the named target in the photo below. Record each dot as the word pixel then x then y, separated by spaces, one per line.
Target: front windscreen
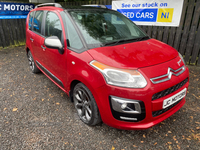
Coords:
pixel 104 27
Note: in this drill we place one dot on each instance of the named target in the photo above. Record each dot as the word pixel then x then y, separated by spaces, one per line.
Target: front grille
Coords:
pixel 169 90
pixel 159 112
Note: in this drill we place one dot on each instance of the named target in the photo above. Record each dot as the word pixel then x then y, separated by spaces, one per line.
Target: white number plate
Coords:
pixel 175 98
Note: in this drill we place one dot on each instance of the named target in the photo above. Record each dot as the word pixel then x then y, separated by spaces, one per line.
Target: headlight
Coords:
pixel 120 77
pixel 181 58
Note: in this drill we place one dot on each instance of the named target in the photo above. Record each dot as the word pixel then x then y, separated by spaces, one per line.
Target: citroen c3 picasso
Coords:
pixel 111 70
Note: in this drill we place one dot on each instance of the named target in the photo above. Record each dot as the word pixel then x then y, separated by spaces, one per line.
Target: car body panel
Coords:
pixel 37 50
pixel 135 54
pixel 79 69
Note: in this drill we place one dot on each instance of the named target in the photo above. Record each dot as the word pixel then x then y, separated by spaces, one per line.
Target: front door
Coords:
pixel 55 63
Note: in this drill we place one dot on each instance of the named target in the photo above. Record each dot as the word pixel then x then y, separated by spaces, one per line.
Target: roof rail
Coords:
pixel 102 6
pixel 96 5
pixel 49 4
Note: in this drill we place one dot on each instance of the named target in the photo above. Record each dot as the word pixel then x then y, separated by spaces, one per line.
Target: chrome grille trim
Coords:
pixel 168 75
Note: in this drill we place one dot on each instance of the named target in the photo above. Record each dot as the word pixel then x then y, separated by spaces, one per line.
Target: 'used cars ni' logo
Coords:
pixel 165 15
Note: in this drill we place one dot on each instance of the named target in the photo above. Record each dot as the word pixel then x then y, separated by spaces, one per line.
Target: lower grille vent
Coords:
pixel 159 112
pixel 169 90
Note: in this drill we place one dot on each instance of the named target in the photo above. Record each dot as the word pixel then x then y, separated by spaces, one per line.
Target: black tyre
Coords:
pixel 32 65
pixel 85 105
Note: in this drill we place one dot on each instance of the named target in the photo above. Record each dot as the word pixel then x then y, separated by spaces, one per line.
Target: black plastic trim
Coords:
pixel 71 96
pixel 50 75
pixel 139 117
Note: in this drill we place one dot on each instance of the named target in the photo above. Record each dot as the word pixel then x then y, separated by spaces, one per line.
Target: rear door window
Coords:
pixel 37 22
pixel 30 20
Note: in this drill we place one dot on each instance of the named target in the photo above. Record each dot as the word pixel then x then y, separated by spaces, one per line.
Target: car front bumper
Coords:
pixel 153 108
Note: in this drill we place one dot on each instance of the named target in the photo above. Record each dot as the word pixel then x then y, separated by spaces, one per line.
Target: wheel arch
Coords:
pixel 27 49
pixel 86 81
pixel 72 85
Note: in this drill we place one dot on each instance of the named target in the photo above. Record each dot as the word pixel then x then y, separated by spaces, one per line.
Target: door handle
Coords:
pixel 44 48
pixel 31 39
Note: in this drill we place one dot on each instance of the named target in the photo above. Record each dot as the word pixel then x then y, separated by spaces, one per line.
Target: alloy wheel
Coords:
pixel 82 104
pixel 31 61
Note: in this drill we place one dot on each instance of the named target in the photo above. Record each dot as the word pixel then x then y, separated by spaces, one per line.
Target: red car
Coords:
pixel 110 68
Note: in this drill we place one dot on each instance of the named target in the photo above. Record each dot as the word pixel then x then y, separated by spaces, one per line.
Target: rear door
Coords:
pixel 37 38
pixel 29 30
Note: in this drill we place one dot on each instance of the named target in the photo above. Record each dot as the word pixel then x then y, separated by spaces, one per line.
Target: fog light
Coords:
pixel 125 105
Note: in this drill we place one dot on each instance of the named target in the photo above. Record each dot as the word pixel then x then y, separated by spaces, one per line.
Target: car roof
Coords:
pixel 48 8
pixel 82 8
pixel 59 8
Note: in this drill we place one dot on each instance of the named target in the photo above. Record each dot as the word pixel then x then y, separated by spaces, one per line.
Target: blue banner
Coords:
pixel 147 15
pixel 14 10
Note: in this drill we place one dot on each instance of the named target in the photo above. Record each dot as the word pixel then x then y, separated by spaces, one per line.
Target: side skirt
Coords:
pixel 50 75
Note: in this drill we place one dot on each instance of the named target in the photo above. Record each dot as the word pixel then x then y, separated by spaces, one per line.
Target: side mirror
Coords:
pixel 54 43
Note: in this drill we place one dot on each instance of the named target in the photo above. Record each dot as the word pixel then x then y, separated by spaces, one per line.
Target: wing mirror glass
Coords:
pixel 54 43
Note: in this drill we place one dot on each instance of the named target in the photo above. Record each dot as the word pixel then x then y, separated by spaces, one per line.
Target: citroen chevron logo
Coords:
pixel 168 76
pixel 179 62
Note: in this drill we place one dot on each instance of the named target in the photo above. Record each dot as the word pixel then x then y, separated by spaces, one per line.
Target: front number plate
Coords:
pixel 175 98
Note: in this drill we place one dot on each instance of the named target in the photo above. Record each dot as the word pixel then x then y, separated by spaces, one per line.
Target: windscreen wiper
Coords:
pixel 143 38
pixel 119 41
